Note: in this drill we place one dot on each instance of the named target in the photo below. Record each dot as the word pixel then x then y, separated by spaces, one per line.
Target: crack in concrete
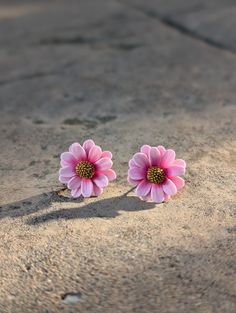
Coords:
pixel 92 42
pixel 76 40
pixel 165 19
pixel 170 22
pixel 36 75
pixel 27 77
pixel 193 34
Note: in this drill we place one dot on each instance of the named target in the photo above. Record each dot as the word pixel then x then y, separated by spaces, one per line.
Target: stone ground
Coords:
pixel 124 73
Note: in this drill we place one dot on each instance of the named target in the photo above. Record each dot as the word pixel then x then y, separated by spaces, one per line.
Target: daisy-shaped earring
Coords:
pixel 86 169
pixel 156 173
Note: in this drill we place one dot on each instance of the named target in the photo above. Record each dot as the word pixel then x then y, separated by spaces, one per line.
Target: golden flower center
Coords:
pixel 155 175
pixel 85 169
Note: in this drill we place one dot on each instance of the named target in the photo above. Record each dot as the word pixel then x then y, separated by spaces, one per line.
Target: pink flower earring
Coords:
pixel 86 169
pixel 156 173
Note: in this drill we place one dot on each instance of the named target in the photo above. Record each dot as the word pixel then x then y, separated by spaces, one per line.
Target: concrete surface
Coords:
pixel 212 21
pixel 107 70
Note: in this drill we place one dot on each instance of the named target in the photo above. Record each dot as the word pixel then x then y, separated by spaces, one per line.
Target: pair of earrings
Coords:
pixel 87 170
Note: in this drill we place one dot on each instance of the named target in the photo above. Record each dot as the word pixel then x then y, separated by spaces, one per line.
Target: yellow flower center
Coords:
pixel 85 169
pixel 155 175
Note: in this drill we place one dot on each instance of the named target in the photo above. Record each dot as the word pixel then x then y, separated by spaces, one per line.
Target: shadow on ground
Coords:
pixel 105 208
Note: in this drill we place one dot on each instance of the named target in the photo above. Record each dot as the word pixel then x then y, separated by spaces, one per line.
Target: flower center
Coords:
pixel 155 175
pixel 85 169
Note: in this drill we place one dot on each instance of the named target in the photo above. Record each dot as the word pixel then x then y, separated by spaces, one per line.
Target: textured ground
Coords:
pixel 123 73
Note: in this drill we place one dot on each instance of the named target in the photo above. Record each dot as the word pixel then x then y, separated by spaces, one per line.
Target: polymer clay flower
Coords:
pixel 156 173
pixel 86 169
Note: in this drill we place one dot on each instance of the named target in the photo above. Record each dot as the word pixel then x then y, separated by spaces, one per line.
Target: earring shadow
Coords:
pixel 106 208
pixel 33 204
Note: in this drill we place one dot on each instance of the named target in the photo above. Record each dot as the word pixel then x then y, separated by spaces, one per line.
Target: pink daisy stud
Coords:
pixel 86 169
pixel 156 173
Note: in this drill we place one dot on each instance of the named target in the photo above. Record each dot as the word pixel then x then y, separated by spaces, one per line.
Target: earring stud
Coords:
pixel 156 173
pixel 86 169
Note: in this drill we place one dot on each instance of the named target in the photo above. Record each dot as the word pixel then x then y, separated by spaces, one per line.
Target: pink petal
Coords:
pixel 86 187
pixel 104 164
pixel 169 187
pixel 145 149
pixel 166 197
pixel 78 151
pixel 141 160
pixel 154 156
pixel 179 162
pixel 63 163
pixel 87 145
pixel 74 182
pixel 136 173
pixel 110 174
pixel 101 180
pixel 143 188
pixel 162 150
pixel 167 158
pixel 95 154
pixel 97 191
pixel 76 193
pixel 64 180
pixel 147 197
pixel 68 158
pixel 132 181
pixel 107 154
pixel 178 181
pixel 67 171
pixel 132 163
pixel 157 193
pixel 72 146
pixel 175 171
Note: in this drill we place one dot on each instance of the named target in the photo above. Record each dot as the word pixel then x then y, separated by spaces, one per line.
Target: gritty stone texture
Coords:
pixel 108 71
